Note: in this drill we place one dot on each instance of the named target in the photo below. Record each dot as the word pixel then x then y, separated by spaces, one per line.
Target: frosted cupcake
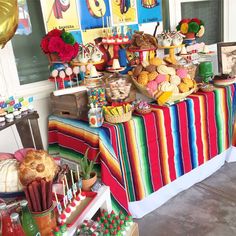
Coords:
pixel 9 117
pixel 2 121
pixel 17 114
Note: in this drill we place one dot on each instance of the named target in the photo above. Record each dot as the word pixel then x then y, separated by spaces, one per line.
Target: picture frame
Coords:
pixel 226 52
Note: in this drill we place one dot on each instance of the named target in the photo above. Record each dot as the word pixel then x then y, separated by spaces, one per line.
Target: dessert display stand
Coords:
pixel 28 130
pixel 116 46
pixel 141 52
pixel 101 201
pixel 171 57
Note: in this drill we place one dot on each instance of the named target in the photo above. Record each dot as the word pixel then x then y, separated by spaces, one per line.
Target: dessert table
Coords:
pixel 143 157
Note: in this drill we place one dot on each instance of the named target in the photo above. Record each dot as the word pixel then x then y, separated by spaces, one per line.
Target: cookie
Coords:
pixel 182 73
pixel 151 68
pixel 188 82
pixel 143 79
pixel 165 86
pixel 175 79
pixel 164 97
pixel 137 70
pixel 183 88
pixel 162 69
pixel 152 76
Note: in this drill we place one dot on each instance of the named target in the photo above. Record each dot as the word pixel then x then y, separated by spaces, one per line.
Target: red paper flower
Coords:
pixel 55 32
pixel 44 45
pixel 196 20
pixel 186 26
pixel 53 42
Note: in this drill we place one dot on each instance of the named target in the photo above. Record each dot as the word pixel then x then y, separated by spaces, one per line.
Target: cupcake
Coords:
pixel 2 121
pixel 3 113
pixel 104 40
pixel 126 39
pixel 119 39
pixel 17 114
pixel 9 117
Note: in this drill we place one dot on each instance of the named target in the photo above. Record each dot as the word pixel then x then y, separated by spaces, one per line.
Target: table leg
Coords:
pixel 24 132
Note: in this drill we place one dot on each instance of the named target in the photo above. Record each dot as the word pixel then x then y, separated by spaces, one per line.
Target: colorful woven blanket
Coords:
pixel 140 156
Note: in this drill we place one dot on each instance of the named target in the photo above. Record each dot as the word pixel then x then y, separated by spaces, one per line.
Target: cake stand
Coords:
pixel 116 46
pixel 171 57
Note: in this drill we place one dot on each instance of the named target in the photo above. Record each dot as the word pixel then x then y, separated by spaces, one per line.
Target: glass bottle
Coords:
pixel 16 228
pixel 6 224
pixel 28 222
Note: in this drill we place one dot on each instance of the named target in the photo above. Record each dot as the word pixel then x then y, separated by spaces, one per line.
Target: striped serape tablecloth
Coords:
pixel 140 156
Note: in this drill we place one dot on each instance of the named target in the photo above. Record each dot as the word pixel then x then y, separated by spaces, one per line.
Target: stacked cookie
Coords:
pixel 161 81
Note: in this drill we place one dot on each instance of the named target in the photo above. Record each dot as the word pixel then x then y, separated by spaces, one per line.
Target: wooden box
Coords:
pixel 73 105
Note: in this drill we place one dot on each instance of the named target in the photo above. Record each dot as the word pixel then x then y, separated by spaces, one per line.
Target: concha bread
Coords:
pixel 9 181
pixel 37 164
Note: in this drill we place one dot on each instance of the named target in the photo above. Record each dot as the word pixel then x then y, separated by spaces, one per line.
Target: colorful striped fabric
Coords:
pixel 140 156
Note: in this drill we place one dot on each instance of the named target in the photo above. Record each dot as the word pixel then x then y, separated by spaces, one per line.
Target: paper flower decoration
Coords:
pixel 193 27
pixel 61 43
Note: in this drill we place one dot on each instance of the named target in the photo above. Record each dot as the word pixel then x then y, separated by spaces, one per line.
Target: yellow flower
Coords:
pixel 184 28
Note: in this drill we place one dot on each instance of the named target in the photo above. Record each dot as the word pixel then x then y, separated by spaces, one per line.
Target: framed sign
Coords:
pixel 227 58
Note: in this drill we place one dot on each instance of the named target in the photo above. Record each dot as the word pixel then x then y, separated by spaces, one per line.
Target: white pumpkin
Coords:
pixel 9 179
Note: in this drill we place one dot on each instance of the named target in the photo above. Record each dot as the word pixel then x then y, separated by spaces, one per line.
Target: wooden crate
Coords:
pixel 73 105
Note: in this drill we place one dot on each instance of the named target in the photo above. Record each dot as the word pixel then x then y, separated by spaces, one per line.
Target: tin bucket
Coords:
pixel 46 221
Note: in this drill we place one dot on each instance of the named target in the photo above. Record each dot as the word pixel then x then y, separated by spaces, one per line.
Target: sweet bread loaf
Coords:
pixel 37 164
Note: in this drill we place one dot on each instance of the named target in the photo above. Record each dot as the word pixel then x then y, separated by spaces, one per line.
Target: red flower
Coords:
pixel 55 32
pixel 44 45
pixel 55 44
pixel 67 53
pixel 196 20
pixel 184 21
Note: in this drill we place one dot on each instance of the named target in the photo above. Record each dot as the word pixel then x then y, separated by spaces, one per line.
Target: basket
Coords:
pixel 191 68
pixel 142 89
pixel 143 111
pixel 119 118
pixel 174 98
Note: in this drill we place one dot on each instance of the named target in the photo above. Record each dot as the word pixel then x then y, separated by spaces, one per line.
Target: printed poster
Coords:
pixel 24 24
pixel 124 11
pixel 77 35
pixel 93 14
pixel 61 14
pixel 149 11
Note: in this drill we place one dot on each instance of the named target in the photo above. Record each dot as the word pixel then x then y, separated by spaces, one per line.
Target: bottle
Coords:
pixel 28 223
pixel 63 230
pixel 16 228
pixel 5 220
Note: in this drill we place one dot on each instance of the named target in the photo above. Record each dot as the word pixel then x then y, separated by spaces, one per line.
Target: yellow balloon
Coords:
pixel 8 20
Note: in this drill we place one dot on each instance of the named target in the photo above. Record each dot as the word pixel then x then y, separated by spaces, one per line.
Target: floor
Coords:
pixel 206 209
